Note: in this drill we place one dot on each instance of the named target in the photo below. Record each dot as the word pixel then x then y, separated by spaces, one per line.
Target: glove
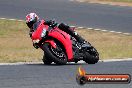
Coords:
pixel 35 46
pixel 51 23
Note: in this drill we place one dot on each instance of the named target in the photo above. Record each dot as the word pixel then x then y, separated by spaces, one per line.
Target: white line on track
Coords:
pixel 80 27
pixel 109 3
pixel 97 29
pixel 11 19
pixel 26 63
pixel 103 30
pixel 113 60
pixel 90 28
pixel 112 31
pixel 21 63
pixel 127 33
pixel 119 32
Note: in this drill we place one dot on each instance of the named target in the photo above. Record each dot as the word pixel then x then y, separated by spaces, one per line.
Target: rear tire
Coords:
pixel 48 50
pixel 91 58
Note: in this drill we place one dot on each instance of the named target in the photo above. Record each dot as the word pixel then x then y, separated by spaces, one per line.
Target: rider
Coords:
pixel 33 20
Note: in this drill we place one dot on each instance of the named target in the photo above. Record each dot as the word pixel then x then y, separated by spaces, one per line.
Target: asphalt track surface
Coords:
pixel 44 76
pixel 106 17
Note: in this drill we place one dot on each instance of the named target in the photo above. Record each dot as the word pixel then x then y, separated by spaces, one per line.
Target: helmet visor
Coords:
pixel 30 24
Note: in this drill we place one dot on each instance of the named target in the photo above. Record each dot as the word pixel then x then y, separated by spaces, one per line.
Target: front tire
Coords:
pixel 46 60
pixel 56 55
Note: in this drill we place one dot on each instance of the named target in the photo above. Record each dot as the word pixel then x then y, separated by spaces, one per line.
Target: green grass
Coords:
pixel 126 2
pixel 118 0
pixel 16 45
pixel 109 0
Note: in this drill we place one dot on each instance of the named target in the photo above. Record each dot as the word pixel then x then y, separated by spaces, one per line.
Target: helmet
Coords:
pixel 31 18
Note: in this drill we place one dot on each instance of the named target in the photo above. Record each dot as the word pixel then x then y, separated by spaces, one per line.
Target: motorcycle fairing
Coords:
pixel 52 43
pixel 58 34
pixel 38 31
pixel 64 38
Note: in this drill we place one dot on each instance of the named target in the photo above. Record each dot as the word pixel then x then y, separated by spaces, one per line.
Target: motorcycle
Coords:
pixel 60 48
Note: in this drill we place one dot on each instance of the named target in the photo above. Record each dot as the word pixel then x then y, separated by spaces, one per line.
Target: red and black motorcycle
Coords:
pixel 60 48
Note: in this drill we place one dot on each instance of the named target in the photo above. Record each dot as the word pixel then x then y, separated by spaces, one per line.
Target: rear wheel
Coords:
pixel 91 56
pixel 57 54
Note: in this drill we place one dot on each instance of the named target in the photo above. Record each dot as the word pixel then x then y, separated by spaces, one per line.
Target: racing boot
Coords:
pixel 82 42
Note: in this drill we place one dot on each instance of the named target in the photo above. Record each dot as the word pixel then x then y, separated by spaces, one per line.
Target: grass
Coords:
pixel 109 45
pixel 109 0
pixel 118 0
pixel 16 45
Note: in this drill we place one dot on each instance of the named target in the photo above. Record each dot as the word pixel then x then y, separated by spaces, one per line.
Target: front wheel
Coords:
pixel 46 60
pixel 57 54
